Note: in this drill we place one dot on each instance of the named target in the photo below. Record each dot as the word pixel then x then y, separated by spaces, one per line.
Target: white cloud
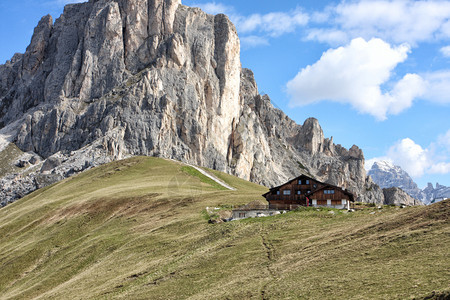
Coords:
pixel 274 24
pixel 321 16
pixel 445 30
pixel 444 140
pixel 331 36
pixel 256 29
pixel 396 21
pixel 410 156
pixel 438 86
pixel 354 74
pixel 253 41
pixel 214 8
pixel 445 51
pixel 440 168
pixel 416 160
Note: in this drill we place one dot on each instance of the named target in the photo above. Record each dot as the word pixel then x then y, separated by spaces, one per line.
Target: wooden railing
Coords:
pixel 284 206
pixel 286 197
pixel 251 207
pixel 271 206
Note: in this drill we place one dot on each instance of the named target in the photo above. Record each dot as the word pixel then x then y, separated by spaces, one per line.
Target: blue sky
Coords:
pixel 374 73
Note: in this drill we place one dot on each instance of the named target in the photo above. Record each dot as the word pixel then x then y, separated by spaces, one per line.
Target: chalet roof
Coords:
pixel 326 185
pixel 296 178
pixel 330 186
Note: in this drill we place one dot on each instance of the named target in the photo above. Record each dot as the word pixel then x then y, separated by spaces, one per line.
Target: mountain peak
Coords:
pixel 388 175
pixel 111 79
pixel 385 165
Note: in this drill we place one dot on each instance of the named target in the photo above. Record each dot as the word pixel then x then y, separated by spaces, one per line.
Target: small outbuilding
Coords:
pixel 243 213
pixel 307 191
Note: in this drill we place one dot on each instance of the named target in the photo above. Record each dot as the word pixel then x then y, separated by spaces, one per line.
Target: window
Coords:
pixel 344 202
pixel 278 192
pixel 241 215
pixel 300 181
pixel 328 202
pixel 328 192
pixel 307 181
pixel 299 192
pixel 314 202
pixel 286 192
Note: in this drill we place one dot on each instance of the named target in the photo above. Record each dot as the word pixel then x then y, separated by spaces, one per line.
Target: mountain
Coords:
pixel 437 194
pixel 137 229
pixel 387 175
pixel 111 79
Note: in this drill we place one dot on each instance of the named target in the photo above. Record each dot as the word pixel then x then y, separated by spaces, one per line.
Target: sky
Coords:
pixel 374 73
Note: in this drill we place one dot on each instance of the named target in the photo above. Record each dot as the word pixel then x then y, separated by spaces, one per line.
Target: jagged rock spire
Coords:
pixel 154 77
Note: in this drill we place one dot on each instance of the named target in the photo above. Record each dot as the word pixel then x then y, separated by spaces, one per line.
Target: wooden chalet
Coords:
pixel 307 191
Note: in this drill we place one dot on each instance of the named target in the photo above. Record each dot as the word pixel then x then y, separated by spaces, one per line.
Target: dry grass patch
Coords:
pixel 134 230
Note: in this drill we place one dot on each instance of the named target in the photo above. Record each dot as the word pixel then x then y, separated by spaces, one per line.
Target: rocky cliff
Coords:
pixel 116 78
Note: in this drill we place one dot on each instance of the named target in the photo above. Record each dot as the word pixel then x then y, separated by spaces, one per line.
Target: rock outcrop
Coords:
pixel 116 78
pixel 396 196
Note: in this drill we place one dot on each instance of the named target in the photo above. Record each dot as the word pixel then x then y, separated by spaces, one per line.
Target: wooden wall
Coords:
pixel 293 200
pixel 294 187
pixel 338 195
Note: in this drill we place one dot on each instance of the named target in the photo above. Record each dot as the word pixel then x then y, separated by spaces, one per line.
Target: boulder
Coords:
pixel 396 196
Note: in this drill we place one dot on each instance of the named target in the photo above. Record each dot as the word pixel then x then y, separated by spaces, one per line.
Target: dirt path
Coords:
pixel 213 177
pixel 270 252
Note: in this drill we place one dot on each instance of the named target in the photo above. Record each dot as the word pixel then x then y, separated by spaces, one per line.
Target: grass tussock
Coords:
pixel 138 229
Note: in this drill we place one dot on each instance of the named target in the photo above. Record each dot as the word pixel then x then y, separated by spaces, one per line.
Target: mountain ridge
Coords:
pixel 388 175
pixel 113 79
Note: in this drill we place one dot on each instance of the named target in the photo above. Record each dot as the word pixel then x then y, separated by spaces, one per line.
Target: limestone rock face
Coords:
pixel 373 193
pixel 98 65
pixel 311 136
pixel 115 78
pixel 396 196
pixel 36 50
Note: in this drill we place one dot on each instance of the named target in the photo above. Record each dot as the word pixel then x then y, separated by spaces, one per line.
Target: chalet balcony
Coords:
pixel 291 198
pixel 251 207
pixel 285 206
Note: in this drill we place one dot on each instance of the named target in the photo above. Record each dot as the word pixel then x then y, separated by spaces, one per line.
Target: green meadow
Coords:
pixel 136 229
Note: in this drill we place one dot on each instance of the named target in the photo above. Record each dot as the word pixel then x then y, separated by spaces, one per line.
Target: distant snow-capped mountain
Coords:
pixel 387 175
pixel 439 193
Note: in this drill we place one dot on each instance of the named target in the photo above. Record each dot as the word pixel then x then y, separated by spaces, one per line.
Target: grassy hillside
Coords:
pixel 134 229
